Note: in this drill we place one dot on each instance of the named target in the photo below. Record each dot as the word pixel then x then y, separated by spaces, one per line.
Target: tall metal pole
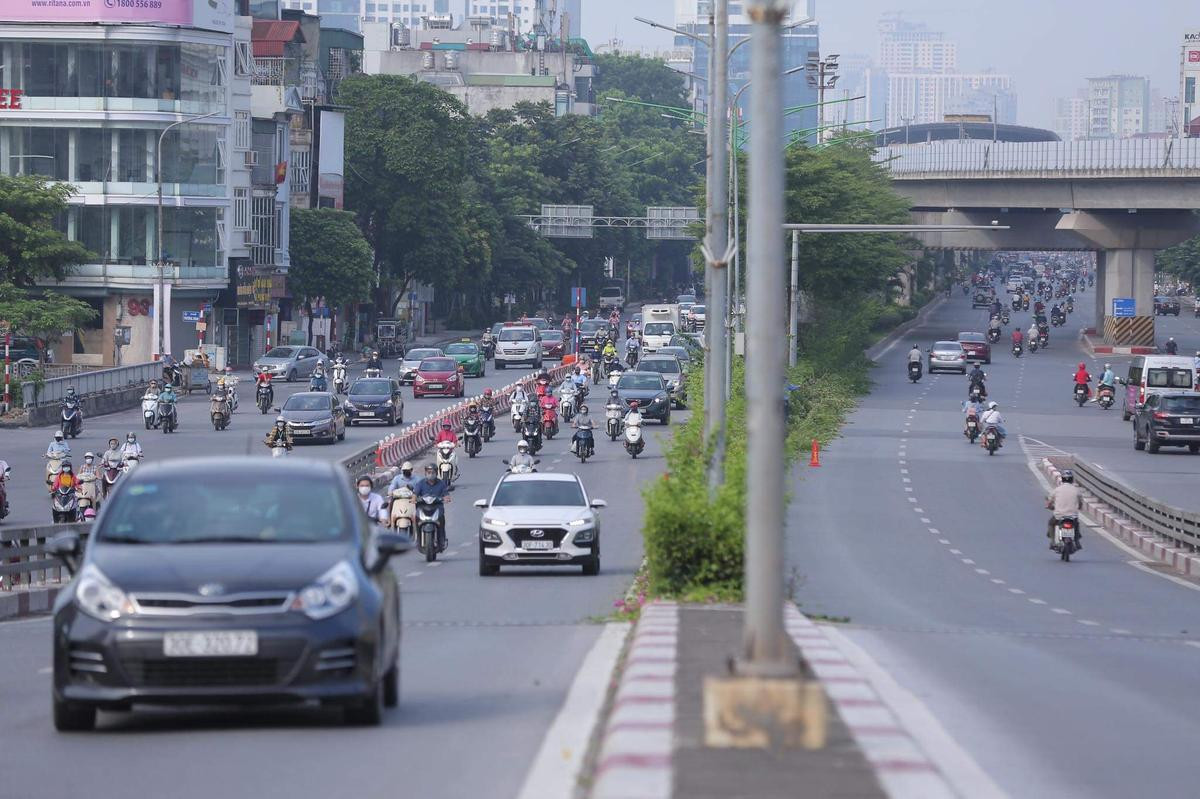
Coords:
pixel 794 298
pixel 765 648
pixel 718 242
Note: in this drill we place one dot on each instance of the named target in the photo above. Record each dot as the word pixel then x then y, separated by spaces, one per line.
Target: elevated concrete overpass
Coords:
pixel 1123 199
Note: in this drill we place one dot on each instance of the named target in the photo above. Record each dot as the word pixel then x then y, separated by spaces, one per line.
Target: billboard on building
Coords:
pixel 214 15
pixel 331 160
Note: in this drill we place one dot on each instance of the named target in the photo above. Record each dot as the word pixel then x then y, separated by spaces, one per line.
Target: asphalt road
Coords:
pixel 486 663
pixel 1060 679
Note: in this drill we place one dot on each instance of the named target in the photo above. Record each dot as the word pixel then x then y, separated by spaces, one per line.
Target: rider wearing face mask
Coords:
pixel 372 503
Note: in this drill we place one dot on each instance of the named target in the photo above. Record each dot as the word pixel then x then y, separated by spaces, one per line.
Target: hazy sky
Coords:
pixel 1049 46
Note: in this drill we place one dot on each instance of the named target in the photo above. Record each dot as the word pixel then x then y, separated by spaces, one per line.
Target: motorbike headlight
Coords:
pixel 495 522
pixel 329 594
pixel 99 598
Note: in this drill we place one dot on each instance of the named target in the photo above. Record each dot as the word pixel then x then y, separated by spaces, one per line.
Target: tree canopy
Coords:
pixel 330 257
pixel 31 246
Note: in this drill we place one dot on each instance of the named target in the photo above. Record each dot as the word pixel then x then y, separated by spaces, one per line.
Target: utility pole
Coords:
pixel 765 649
pixel 717 243
pixel 794 298
pixel 821 76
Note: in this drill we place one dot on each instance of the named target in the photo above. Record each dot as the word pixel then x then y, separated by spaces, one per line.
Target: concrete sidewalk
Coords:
pixel 652 745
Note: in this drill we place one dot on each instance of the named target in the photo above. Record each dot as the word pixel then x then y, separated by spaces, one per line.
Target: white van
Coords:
pixel 1154 374
pixel 612 297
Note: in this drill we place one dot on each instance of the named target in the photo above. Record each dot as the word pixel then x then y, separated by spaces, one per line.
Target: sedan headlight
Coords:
pixel 419 379
pixel 329 594
pixel 98 597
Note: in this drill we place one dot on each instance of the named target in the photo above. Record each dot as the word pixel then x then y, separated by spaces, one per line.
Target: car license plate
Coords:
pixel 538 545
pixel 366 413
pixel 1187 420
pixel 215 643
pixel 433 385
pixel 296 432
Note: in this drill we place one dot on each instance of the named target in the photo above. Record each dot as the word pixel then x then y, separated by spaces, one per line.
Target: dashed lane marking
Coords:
pixel 413 574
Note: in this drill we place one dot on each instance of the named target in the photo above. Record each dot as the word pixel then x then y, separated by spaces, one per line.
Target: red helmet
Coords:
pixel 487 392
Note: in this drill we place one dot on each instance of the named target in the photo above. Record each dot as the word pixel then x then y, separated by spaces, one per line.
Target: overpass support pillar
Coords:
pixel 1125 274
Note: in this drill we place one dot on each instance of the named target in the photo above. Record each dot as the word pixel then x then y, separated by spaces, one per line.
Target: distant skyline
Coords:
pixel 1050 47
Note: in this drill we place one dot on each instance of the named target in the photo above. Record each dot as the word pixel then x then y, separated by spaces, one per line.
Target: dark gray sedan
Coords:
pixel 315 416
pixel 650 391
pixel 278 592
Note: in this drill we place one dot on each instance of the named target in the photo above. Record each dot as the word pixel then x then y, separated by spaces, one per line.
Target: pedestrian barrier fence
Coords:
pixel 25 560
pixel 1175 524
pixel 418 436
pixel 98 381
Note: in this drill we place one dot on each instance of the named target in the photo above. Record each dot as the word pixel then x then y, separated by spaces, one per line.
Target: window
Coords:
pixel 241 208
pixel 264 220
pixel 241 130
pixel 243 60
pixel 301 170
pixel 1189 90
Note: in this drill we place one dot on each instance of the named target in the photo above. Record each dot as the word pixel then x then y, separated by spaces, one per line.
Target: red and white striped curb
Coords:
pixel 901 765
pixel 635 755
pixel 1181 559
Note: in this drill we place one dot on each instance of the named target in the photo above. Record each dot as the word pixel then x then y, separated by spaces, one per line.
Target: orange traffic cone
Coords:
pixel 816 454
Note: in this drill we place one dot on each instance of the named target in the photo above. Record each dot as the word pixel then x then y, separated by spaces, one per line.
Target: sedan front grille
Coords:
pixel 201 672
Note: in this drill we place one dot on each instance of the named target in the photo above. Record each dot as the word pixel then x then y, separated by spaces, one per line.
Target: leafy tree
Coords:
pixel 44 317
pixel 647 79
pixel 330 257
pixel 31 246
pixel 1182 260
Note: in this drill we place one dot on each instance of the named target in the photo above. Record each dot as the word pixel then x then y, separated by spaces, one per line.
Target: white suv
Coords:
pixel 517 345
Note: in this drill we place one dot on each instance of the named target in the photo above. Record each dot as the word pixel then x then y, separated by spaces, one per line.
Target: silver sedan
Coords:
pixel 947 356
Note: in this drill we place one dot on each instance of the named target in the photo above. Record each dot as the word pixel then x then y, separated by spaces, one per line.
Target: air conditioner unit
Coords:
pixel 251 157
pixel 249 237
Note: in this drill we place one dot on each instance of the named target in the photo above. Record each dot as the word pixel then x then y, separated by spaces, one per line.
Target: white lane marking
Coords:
pixel 968 561
pixel 46 670
pixel 956 552
pixel 997 581
pixel 905 471
pixel 944 540
pixel 909 489
pixel 905 479
pixel 912 499
pixel 904 463
pixel 436 563
pixel 1118 631
pixel 918 510
pixel 1193 643
pixel 935 531
pixel 984 572
pixel 413 574
pixel 1038 601
pixel 555 768
pixel 1088 622
pixel 1017 591
pixel 925 520
pixel 557 460
pixel 955 764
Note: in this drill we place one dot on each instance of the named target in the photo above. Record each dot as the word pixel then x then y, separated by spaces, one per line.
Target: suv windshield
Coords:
pixel 371 387
pixel 280 352
pixel 1169 378
pixel 659 328
pixel 518 334
pixel 299 402
pixel 642 382
pixel 1182 405
pixel 263 510
pixel 660 365
pixel 538 492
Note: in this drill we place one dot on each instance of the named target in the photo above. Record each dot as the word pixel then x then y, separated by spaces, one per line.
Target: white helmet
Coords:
pixel 522 445
pixel 992 406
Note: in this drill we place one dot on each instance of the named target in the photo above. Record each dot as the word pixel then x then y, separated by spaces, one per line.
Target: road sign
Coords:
pixel 201 327
pixel 1123 307
pixel 192 316
pixel 208 307
pixel 579 296
pixel 567 221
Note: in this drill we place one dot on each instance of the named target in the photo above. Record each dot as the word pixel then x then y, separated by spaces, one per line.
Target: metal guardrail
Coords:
pixel 1095 158
pixel 24 559
pixel 99 381
pixel 1180 526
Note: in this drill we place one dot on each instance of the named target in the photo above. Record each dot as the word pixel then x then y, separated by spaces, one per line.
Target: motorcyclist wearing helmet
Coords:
pixel 488 400
pixel 634 416
pixel 58 448
pixel 1109 380
pixel 280 435
pixel 404 477
pixel 445 434
pixel 1171 346
pixel 977 377
pixel 522 458
pixel 609 350
pixel 432 487
pixel 375 362
pixel 131 448
pixel 1018 338
pixel 1066 502
pixel 581 422
pixel 915 356
pixel 1083 377
pixel 65 478
pixel 112 456
pixel 992 418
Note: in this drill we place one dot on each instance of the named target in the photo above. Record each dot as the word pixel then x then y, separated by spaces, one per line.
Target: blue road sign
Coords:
pixel 191 316
pixel 1123 307
pixel 579 297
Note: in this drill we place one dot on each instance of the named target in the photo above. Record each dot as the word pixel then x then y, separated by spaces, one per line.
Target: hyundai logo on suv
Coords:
pixel 537 533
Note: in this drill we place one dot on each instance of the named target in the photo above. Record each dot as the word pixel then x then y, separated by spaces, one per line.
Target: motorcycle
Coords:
pixel 1043 339
pixel 566 404
pixel 585 447
pixel 150 410
pixel 1105 397
pixel 971 430
pixel 517 413
pixel 263 397
pixel 991 440
pixel 166 416
pixel 532 433
pixel 54 466
pixel 109 475
pixel 472 436
pixel 914 370
pixel 489 346
pixel 340 386
pixel 1064 538
pixel 318 383
pixel 1024 304
pixel 72 418
pixel 1081 394
pixel 129 463
pixel 488 422
pixel 4 492
pixel 1070 305
pixel 371 371
pixel 430 523
pixel 447 464
pixel 549 417
pixel 521 468
pixel 1033 344
pixel 88 494
pixel 634 443
pixel 1057 319
pixel 1004 317
pixel 612 421
pixel 218 411
pixel 1017 349
pixel 631 357
pixel 403 511
pixel 1016 303
pixel 975 392
pixel 993 335
pixel 64 505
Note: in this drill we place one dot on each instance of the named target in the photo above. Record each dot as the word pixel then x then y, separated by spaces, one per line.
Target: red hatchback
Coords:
pixel 552 344
pixel 439 377
pixel 976 346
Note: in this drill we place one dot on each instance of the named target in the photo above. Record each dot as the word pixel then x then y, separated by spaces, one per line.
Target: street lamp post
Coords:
pixel 821 76
pixel 163 310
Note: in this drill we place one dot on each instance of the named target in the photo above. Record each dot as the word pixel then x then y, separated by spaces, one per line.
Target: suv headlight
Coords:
pixel 99 598
pixel 329 594
pixel 495 522
pixel 488 536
